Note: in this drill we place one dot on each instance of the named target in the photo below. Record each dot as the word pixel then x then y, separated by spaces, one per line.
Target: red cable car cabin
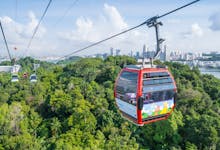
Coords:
pixel 145 95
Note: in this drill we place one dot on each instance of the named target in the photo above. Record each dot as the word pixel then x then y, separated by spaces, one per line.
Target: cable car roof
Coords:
pixel 146 66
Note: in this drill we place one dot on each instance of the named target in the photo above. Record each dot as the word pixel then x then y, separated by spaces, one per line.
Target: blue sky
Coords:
pixel 195 28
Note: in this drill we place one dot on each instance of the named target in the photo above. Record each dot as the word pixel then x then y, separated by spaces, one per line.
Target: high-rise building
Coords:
pixel 118 52
pixel 111 51
pixel 105 55
pixel 144 51
pixel 163 54
pixel 137 55
pixel 131 54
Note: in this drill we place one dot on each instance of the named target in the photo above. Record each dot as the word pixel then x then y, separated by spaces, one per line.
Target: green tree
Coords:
pixel 60 103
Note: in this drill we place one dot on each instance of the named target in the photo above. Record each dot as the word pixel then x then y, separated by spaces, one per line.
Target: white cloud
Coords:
pixel 84 26
pixel 29 28
pixel 109 23
pixel 215 22
pixel 114 17
pixel 83 32
pixel 23 30
pixel 6 20
pixel 195 31
pixel 93 30
pixel 194 40
pixel 18 34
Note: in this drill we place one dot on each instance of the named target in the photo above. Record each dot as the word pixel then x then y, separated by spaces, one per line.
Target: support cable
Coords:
pixel 66 12
pixel 6 44
pixel 36 28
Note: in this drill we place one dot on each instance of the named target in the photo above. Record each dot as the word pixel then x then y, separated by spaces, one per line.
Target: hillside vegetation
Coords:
pixel 72 107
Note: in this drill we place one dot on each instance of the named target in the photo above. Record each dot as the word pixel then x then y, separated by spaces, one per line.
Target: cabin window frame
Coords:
pixel 130 87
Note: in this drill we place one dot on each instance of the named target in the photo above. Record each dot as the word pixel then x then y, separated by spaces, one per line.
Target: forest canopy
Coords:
pixel 72 106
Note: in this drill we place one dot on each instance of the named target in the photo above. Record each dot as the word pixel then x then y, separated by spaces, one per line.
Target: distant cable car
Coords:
pixel 144 94
pixel 14 78
pixel 33 78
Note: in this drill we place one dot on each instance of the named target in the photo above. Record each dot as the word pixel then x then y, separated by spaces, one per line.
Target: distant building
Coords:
pixel 111 51
pixel 15 68
pixel 98 56
pixel 162 56
pixel 131 54
pixel 5 68
pixel 10 69
pixel 165 53
pixel 137 55
pixel 118 52
pixel 168 55
pixel 147 54
pixel 144 52
pixel 105 55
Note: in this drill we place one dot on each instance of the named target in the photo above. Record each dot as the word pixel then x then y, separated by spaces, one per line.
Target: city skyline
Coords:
pixel 117 52
pixel 86 22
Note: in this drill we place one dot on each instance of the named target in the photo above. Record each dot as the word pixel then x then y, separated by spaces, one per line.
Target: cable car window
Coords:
pixel 33 77
pixel 158 96
pixel 126 87
pixel 156 74
pixel 157 81
pixel 170 94
pixel 158 87
pixel 148 82
pixel 14 76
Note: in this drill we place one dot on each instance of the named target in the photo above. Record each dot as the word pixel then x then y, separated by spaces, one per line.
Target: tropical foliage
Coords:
pixel 72 107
